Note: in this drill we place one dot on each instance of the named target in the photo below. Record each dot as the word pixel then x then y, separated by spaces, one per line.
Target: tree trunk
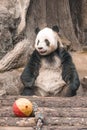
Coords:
pixel 47 13
pixel 84 21
pixel 84 15
pixel 65 21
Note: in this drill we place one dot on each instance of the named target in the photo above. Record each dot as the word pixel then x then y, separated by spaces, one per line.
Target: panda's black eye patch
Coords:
pixel 47 42
pixel 38 42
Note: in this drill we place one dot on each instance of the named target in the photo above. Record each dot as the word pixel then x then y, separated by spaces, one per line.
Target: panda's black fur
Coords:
pixel 69 73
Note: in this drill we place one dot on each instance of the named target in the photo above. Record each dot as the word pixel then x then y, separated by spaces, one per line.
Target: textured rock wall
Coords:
pixel 7 25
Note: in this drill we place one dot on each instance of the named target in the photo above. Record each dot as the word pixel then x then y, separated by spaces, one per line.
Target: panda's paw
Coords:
pixel 27 91
pixel 69 92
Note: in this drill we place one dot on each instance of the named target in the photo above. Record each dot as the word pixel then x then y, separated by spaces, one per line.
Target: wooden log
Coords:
pixel 15 58
pixel 30 122
pixel 16 121
pixel 65 112
pixel 50 112
pixel 60 113
pixel 16 128
pixel 46 128
pixel 67 121
pixel 48 101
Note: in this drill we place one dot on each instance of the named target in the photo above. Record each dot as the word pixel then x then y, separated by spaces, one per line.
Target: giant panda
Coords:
pixel 50 70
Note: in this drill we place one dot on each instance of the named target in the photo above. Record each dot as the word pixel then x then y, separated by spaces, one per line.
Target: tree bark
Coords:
pixel 49 13
pixel 84 21
pixel 84 15
pixel 65 21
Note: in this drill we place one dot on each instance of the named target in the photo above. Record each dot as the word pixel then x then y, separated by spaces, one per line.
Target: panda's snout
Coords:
pixel 40 48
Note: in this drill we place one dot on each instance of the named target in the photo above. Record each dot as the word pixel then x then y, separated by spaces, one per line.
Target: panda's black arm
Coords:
pixel 31 70
pixel 69 73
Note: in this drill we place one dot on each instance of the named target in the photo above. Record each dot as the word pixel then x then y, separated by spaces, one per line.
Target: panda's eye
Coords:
pixel 38 42
pixel 47 42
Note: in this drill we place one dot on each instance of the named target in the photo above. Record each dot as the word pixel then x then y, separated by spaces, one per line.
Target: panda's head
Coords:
pixel 47 40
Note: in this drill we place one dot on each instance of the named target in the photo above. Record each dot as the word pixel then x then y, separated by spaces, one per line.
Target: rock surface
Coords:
pixel 7 24
pixel 10 83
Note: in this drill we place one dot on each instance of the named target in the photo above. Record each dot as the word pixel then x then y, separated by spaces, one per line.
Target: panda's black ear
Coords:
pixel 37 30
pixel 55 28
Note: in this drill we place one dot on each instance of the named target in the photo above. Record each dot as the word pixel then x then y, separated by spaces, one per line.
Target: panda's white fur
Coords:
pixel 49 80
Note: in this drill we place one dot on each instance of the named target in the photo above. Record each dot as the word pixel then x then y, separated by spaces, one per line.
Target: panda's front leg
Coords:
pixel 28 87
pixel 30 73
pixel 68 92
pixel 69 73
